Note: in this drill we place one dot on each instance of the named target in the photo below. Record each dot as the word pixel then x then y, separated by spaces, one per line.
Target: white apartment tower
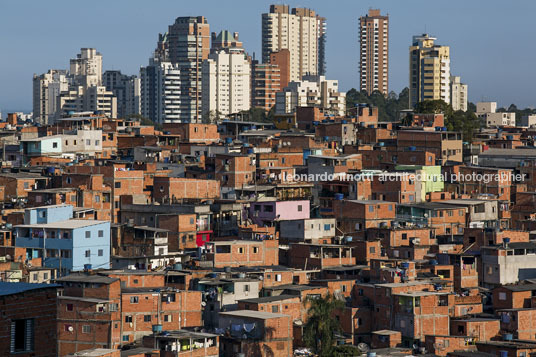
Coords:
pixel 311 91
pixel 300 31
pixel 86 68
pixel 47 87
pixel 161 92
pixel 458 94
pixel 226 83
pixel 374 53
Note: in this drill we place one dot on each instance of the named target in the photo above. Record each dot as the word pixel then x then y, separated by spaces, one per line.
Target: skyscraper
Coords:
pixel 226 77
pixel 374 52
pixel 186 45
pixel 300 31
pixel 458 94
pixel 86 68
pixel 47 87
pixel 127 90
pixel 161 92
pixel 429 70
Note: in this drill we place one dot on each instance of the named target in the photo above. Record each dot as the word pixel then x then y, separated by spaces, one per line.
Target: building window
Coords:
pixel 502 296
pixel 128 319
pixel 167 318
pixel 88 142
pixel 125 338
pixel 101 252
pixel 22 335
pixel 275 309
pixel 69 307
pixel 371 208
pixel 88 253
pixel 97 198
pixel 117 185
pixel 55 145
pixel 146 318
pixel 255 249
pixel 372 250
pixel 278 277
pixel 88 234
pixel 86 328
pixel 26 185
pixel 240 250
pixel 101 233
pixel 246 287
pixel 300 208
pixel 134 299
pixel 113 307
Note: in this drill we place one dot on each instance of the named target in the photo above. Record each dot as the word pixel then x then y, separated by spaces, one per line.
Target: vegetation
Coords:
pixel 388 108
pixel 144 121
pixel 320 329
pixel 465 122
pixel 346 351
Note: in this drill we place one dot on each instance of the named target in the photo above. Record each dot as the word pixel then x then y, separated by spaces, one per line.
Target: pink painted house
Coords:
pixel 268 212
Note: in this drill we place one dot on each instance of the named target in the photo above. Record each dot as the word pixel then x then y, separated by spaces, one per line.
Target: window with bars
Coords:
pixel 22 335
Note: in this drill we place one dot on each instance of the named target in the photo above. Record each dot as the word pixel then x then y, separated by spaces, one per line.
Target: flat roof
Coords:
pixel 8 288
pixel 94 352
pixel 266 299
pixel 67 224
pixel 86 278
pixel 262 315
pixel 77 298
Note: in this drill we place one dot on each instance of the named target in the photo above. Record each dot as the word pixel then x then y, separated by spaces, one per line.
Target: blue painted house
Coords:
pixel 64 243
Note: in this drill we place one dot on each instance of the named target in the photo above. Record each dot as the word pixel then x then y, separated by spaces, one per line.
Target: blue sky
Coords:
pixel 492 42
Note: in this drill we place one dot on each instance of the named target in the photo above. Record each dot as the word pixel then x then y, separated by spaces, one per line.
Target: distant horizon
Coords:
pixel 486 56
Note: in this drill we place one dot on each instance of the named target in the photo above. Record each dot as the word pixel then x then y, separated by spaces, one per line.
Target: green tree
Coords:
pixel 320 329
pixel 389 107
pixel 346 351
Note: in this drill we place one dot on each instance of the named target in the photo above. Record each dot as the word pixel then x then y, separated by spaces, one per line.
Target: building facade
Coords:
pixel 374 52
pixel 161 92
pixel 127 90
pixel 300 31
pixel 46 90
pixel 458 94
pixel 226 83
pixel 429 70
pixel 312 91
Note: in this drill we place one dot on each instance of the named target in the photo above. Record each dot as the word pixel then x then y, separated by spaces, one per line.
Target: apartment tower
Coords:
pixel 300 31
pixel 187 45
pixel 429 70
pixel 374 52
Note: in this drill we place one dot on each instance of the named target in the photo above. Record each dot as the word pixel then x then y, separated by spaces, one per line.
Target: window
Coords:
pixel 404 236
pixel 113 307
pixel 278 277
pixel 502 296
pixel 240 250
pixel 22 335
pixel 125 338
pixel 26 185
pixel 97 198
pixel 300 208
pixel 371 208
pixel 134 299
pixel 117 185
pixel 167 318
pixel 146 318
pixel 255 249
pixel 372 250
pixel 55 145
pixel 35 276
pixel 101 233
pixel 86 328
pixel 69 307
pixel 88 234
pixel 101 252
pixel 88 253
pixel 275 309
pixel 246 287
pixel 45 276
pixel 88 142
pixel 128 318
pixel 97 142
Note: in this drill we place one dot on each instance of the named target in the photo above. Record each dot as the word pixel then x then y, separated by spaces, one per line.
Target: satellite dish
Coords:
pixel 71 329
pixel 203 303
pixel 363 347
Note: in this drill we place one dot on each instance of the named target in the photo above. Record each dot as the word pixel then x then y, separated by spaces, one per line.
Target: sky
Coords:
pixel 492 42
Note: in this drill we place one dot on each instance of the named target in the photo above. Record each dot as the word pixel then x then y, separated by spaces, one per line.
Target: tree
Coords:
pixel 320 329
pixel 388 108
pixel 346 351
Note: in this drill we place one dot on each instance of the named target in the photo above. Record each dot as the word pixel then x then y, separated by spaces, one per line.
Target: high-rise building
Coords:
pixel 86 68
pixel 187 45
pixel 126 89
pixel 458 94
pixel 311 91
pixel 161 92
pixel 429 70
pixel 300 31
pixel 225 40
pixel 226 83
pixel 84 99
pixel 265 83
pixel 281 58
pixel 47 87
pixel 374 52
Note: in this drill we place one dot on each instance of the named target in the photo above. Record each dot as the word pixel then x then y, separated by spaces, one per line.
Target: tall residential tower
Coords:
pixel 374 52
pixel 429 70
pixel 300 31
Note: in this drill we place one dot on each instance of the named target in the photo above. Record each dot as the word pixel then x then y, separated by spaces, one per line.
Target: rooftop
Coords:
pixel 262 315
pixel 8 288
